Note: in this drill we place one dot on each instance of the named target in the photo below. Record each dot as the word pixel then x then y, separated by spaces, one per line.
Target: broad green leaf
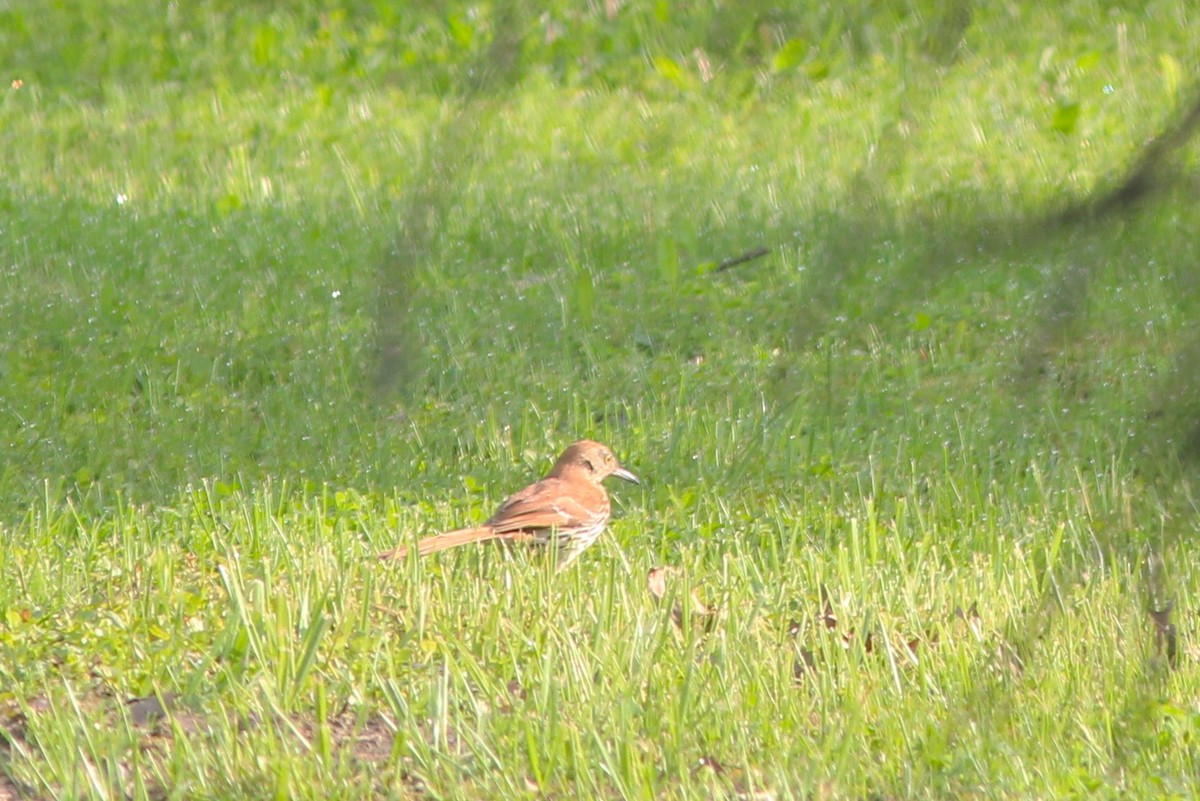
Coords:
pixel 1172 73
pixel 670 70
pixel 790 55
pixel 266 46
pixel 1066 115
pixel 461 31
pixel 817 69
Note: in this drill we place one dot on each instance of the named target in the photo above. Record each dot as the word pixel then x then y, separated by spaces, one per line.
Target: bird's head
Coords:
pixel 596 459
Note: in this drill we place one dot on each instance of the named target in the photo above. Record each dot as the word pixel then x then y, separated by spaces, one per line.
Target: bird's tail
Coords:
pixel 449 539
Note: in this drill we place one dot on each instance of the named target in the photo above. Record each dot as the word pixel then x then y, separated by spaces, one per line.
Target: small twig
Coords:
pixel 387 610
pixel 1166 638
pixel 749 255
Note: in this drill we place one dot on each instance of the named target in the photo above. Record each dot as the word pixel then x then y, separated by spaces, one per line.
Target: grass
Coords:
pixel 918 475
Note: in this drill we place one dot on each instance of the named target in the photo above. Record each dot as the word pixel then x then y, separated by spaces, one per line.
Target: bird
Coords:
pixel 569 508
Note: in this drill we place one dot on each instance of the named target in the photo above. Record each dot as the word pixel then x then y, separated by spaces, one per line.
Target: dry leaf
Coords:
pixel 1009 658
pixel 656 582
pixel 804 663
pixel 971 618
pixel 827 618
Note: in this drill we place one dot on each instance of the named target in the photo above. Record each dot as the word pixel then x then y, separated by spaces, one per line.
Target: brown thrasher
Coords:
pixel 568 508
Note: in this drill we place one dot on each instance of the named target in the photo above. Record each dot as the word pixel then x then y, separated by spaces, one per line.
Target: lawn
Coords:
pixel 286 285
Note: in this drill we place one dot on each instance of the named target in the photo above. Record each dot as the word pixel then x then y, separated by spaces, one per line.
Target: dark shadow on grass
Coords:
pixel 873 264
pixel 450 150
pixel 1165 451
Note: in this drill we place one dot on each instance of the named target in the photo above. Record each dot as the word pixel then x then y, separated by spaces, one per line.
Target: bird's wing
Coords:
pixel 546 504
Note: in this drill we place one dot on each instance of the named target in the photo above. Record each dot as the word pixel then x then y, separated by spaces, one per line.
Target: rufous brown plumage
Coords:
pixel 568 508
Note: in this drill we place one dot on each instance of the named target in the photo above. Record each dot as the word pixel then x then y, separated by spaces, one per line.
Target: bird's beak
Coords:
pixel 621 472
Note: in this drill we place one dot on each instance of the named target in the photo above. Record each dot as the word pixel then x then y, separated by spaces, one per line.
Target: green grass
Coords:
pixel 283 286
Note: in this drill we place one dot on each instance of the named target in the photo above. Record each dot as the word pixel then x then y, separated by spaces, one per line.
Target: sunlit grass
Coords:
pixel 916 472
